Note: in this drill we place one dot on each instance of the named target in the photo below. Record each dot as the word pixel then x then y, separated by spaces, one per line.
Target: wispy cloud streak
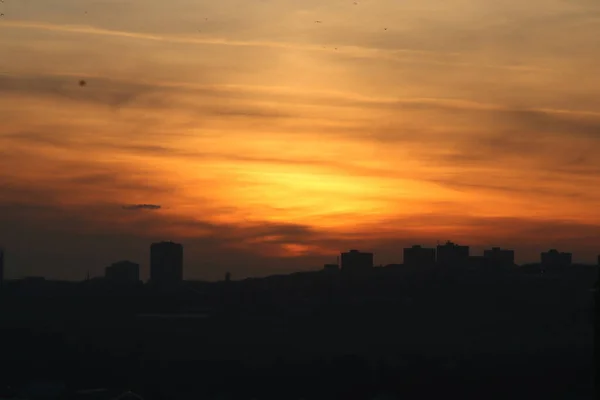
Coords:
pixel 138 207
pixel 419 56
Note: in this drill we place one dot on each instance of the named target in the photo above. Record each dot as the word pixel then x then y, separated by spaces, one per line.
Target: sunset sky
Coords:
pixel 272 142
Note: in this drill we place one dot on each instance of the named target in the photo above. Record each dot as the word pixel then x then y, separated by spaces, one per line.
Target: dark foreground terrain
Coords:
pixel 511 335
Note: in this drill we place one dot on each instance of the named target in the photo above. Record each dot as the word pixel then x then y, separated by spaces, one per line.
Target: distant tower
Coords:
pixel 417 256
pixel 166 263
pixel 554 258
pixel 227 277
pixel 451 254
pixel 356 261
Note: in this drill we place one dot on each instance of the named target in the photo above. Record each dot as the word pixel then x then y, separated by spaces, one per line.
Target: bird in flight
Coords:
pixel 318 22
pixel 82 83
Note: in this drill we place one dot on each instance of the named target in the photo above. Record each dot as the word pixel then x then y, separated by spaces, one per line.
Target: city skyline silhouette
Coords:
pixel 143 268
pixel 394 329
pixel 299 200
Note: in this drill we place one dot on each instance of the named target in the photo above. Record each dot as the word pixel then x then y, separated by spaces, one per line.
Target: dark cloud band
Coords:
pixel 142 207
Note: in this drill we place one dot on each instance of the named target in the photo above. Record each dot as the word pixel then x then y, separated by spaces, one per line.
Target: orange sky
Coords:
pixel 272 142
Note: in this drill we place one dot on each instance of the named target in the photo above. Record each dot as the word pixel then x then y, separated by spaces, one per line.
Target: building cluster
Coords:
pixel 166 262
pixel 448 254
pixel 166 267
pixel 555 258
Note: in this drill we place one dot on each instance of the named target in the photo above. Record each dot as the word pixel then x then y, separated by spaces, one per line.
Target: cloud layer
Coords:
pixel 136 207
pixel 275 142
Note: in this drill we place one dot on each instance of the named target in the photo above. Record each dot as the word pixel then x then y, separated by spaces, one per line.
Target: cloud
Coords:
pixel 445 113
pixel 475 140
pixel 120 93
pixel 539 122
pixel 211 248
pixel 70 240
pixel 91 30
pixel 260 104
pixel 472 149
pixel 99 90
pixel 136 207
pixel 117 92
pixel 353 46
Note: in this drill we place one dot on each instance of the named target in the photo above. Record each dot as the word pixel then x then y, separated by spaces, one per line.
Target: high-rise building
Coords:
pixel 166 263
pixel 356 261
pixel 452 254
pixel 554 258
pixel 123 272
pixel 499 257
pixel 476 262
pixel 417 256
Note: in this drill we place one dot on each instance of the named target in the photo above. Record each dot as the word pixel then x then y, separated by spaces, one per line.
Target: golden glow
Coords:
pixel 473 124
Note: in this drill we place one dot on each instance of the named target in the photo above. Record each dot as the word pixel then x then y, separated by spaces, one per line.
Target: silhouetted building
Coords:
pixel 555 258
pixel 477 262
pixel 166 263
pixel 499 257
pixel 418 256
pixel 331 268
pixel 356 261
pixel 452 254
pixel 227 277
pixel 123 272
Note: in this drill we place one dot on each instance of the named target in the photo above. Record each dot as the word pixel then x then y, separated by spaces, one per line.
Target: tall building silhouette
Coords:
pixel 499 257
pixel 123 272
pixel 166 263
pixel 477 262
pixel 356 261
pixel 417 256
pixel 554 258
pixel 452 254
